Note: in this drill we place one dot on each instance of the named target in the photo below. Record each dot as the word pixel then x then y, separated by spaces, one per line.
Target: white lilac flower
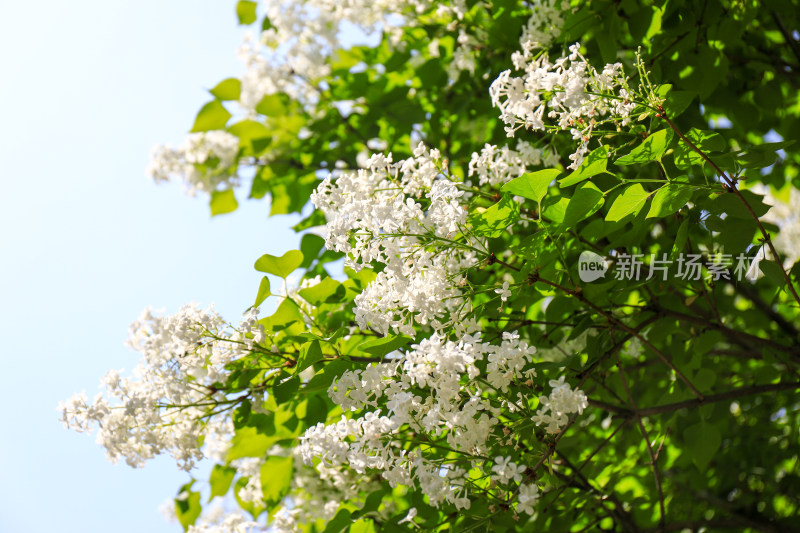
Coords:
pixel 296 49
pixel 527 498
pixel 374 215
pixel 504 470
pixel 554 410
pixel 432 389
pixel 221 522
pixel 205 161
pixel 156 411
pixel 504 293
pixel 498 165
pixel 566 94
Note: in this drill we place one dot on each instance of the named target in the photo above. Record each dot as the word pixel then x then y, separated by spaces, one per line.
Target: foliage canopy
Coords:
pixel 569 301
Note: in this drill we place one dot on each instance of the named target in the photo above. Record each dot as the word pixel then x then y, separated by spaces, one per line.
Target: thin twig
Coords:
pixel 579 295
pixel 711 398
pixel 731 187
pixel 653 458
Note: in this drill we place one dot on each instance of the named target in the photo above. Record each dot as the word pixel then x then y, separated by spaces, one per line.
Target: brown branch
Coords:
pixel 751 294
pixel 583 375
pixel 732 333
pixel 731 187
pixel 695 525
pixel 584 463
pixel 729 395
pixel 768 310
pixel 618 511
pixel 579 295
pixel 653 458
pixel 786 35
pixel 711 398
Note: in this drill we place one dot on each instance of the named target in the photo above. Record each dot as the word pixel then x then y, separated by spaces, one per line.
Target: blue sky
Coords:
pixel 87 241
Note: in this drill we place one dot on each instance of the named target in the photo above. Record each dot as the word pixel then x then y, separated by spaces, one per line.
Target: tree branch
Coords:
pixel 653 458
pixel 711 398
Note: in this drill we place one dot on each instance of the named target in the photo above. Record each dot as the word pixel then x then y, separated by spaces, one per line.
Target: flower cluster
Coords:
pixel 554 410
pixel 404 215
pixel 224 522
pixel 498 165
pixel 163 407
pixel 463 56
pixel 566 94
pixel 316 493
pixel 545 25
pixel 206 161
pixel 295 48
pixel 435 392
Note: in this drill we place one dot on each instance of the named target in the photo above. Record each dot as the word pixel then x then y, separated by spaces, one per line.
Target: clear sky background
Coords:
pixel 87 241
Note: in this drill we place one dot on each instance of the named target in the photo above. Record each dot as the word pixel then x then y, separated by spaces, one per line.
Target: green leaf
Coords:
pixel 258 436
pixel 761 155
pixel 702 442
pixel 228 89
pixel 676 101
pixel 532 246
pixel 707 141
pixel 645 22
pixel 385 345
pixel 330 371
pixel 628 203
pixel 586 201
pixel 756 159
pixel 557 211
pixel 276 478
pixel 651 149
pixel 246 12
pixel 223 202
pixel 287 314
pixel 220 480
pixel 271 106
pixel 736 234
pixel 733 206
pixel 532 185
pixel 310 245
pixel 373 501
pixel 492 221
pixel 668 200
pixel 606 38
pixel 285 390
pixel 254 136
pixel 339 522
pixel 242 413
pixel 594 163
pixel 263 291
pixel 280 266
pixel 249 442
pixel 187 508
pixel 327 290
pixel 364 525
pixel 681 237
pixel 316 411
pixel 704 378
pixel 773 271
pixel 212 116
pixel 310 354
